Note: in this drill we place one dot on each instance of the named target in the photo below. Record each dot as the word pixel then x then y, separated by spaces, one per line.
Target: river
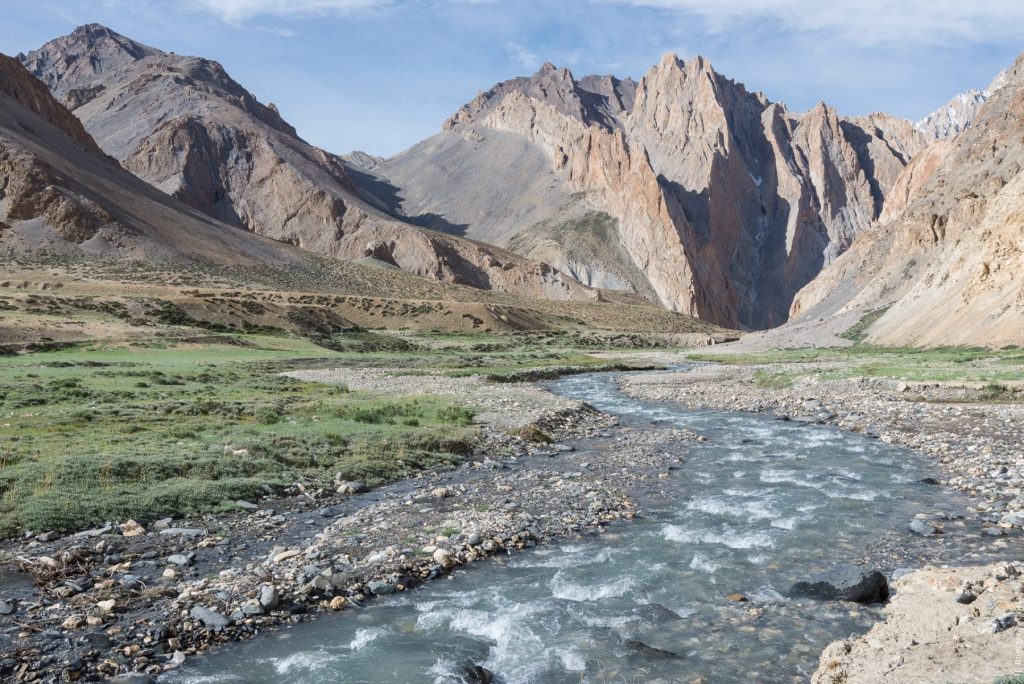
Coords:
pixel 759 504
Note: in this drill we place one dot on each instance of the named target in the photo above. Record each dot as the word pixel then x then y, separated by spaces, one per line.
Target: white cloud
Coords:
pixel 865 23
pixel 240 10
pixel 527 58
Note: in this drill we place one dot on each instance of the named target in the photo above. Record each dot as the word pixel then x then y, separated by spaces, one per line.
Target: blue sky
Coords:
pixel 380 75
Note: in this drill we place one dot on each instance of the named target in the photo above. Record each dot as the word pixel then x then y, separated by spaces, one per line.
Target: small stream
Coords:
pixel 759 504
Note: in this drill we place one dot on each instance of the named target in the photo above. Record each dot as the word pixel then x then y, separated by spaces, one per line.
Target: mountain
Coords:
pixel 186 127
pixel 683 187
pixel 60 194
pixel 958 114
pixel 943 267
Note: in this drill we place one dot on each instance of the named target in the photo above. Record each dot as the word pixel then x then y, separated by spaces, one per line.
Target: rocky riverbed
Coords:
pixel 978 444
pixel 943 624
pixel 136 598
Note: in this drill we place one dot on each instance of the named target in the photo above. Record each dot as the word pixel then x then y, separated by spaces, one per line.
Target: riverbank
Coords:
pixel 942 625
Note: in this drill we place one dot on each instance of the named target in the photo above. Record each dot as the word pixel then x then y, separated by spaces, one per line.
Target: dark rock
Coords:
pixel 471 673
pixel 929 481
pixel 1001 624
pixel 643 650
pixel 655 613
pixel 97 639
pixel 965 596
pixel 844 583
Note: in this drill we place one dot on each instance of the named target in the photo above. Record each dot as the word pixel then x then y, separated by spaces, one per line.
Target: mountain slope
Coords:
pixel 59 193
pixel 948 266
pixel 705 197
pixel 182 124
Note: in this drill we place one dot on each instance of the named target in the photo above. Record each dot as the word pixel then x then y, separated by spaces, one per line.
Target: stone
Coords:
pixel 338 603
pixel 965 595
pixel 320 583
pixel 923 528
pixel 354 487
pixel 844 583
pixel 6 608
pixel 647 651
pixel 211 619
pixel 738 598
pixel 252 608
pixel 443 557
pixel 471 673
pixel 269 596
pixel 285 555
pixel 1001 624
pixel 73 622
pixel 473 539
pixel 380 588
pixel 184 532
pixel 181 559
pixel 132 528
pixel 106 606
pixel 47 536
pixel 441 493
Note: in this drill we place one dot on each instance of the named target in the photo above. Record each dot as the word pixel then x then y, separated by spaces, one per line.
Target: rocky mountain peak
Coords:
pixel 84 54
pixel 80 66
pixel 959 113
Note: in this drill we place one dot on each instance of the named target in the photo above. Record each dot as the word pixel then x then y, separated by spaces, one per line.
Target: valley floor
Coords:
pixel 143 598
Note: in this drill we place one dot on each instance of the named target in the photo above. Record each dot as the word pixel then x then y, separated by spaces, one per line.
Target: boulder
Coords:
pixel 844 583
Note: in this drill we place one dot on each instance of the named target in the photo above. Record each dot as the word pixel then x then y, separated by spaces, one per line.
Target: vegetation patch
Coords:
pixel 858 332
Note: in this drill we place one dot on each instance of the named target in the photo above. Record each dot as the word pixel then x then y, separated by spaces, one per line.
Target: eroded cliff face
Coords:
pixel 185 126
pixel 946 257
pixel 724 203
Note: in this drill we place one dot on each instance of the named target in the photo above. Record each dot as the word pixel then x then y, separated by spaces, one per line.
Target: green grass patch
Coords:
pixel 100 433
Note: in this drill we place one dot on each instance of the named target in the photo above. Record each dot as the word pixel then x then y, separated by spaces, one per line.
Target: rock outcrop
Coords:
pixel 185 126
pixel 945 262
pixel 720 203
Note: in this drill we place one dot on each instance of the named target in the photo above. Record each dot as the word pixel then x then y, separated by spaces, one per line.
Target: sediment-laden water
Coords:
pixel 759 504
